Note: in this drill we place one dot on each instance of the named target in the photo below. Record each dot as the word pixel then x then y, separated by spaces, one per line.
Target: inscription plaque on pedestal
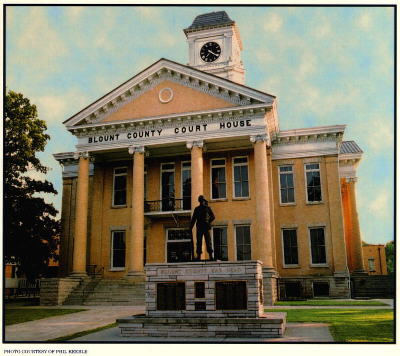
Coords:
pixel 231 295
pixel 171 296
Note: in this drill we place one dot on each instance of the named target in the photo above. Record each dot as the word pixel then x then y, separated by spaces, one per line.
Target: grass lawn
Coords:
pixel 348 325
pixel 329 302
pixel 16 316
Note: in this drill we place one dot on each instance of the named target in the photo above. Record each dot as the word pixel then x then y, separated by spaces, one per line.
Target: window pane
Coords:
pixel 243 243
pixel 118 248
pixel 318 252
pixel 245 189
pixel 220 243
pixel 218 162
pixel 240 160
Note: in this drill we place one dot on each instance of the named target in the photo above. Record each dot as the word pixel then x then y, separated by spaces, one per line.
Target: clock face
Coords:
pixel 210 52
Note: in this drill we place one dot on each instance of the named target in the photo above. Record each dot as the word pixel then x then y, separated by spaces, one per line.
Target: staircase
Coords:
pixel 107 292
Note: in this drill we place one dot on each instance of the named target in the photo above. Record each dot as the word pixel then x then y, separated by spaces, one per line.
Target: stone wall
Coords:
pixel 373 286
pixel 210 273
pixel 54 291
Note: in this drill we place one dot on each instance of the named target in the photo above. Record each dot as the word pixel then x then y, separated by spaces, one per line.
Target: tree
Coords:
pixel 30 224
pixel 389 250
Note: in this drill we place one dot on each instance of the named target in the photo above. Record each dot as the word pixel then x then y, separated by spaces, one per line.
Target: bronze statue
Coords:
pixel 203 217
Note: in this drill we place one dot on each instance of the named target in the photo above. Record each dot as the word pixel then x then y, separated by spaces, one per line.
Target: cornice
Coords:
pixel 174 120
pixel 313 134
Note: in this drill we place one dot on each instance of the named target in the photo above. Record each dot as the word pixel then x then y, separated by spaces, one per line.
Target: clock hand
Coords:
pixel 212 53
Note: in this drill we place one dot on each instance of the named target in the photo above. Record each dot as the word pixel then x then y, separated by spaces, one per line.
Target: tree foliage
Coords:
pixel 389 250
pixel 30 224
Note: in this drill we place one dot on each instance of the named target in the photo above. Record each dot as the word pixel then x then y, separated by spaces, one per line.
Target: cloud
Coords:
pixel 273 23
pixel 74 13
pixel 148 13
pixel 380 205
pixel 40 37
pixel 364 21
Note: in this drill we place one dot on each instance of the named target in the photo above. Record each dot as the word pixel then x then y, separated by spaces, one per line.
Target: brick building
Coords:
pixel 147 149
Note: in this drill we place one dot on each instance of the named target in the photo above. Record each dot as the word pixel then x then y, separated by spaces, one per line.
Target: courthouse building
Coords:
pixel 147 149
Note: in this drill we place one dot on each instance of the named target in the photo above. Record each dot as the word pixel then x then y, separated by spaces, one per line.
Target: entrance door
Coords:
pixel 179 245
pixel 167 187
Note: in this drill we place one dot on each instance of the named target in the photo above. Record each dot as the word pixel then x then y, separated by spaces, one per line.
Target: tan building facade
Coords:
pixel 375 259
pixel 149 148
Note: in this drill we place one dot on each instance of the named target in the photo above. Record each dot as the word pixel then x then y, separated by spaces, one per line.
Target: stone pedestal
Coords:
pixel 203 299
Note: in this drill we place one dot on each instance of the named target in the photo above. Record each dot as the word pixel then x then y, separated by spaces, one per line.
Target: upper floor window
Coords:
pixel 317 239
pixel 186 181
pixel 286 184
pixel 119 186
pixel 290 254
pixel 243 242
pixel 371 264
pixel 240 177
pixel 218 179
pixel 313 181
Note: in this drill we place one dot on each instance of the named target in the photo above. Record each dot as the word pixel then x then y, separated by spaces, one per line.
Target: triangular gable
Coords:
pixel 166 98
pixel 147 94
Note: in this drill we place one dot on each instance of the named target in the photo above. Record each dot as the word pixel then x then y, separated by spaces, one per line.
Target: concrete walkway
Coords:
pixel 97 316
pixel 62 325
pixel 295 332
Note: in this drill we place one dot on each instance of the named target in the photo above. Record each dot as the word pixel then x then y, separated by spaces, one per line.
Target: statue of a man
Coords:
pixel 203 217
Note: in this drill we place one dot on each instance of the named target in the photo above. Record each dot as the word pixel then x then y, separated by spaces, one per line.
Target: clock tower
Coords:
pixel 215 46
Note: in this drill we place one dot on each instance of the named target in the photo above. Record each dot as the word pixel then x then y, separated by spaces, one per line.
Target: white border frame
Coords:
pixel 113 187
pixel 233 176
pixel 326 264
pixel 294 184
pixel 112 268
pixel 226 182
pixel 320 180
pixel 283 249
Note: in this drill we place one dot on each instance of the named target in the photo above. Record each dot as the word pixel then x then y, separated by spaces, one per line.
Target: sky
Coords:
pixel 326 65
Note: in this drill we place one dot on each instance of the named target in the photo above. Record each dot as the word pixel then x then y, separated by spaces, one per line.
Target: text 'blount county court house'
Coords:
pixel 148 149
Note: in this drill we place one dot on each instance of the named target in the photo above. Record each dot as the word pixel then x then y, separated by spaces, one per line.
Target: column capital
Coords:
pixel 79 154
pixel 191 144
pixel 134 149
pixel 260 138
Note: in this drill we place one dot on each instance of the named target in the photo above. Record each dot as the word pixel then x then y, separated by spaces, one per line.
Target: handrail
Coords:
pixel 167 204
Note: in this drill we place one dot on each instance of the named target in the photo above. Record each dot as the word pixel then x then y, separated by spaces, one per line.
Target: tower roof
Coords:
pixel 211 19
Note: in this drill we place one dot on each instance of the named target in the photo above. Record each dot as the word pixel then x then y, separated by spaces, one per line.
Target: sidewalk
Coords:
pixel 295 332
pixel 97 316
pixel 58 326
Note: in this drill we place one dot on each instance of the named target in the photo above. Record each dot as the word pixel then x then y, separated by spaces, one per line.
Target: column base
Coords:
pixel 135 276
pixel 270 285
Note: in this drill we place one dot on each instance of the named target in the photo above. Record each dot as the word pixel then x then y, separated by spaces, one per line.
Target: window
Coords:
pixel 286 184
pixel 186 186
pixel 313 180
pixel 218 180
pixel 240 177
pixel 220 243
pixel 179 245
pixel 118 249
pixel 290 255
pixel 243 242
pixel 318 253
pixel 371 264
pixel 119 186
pixel 145 183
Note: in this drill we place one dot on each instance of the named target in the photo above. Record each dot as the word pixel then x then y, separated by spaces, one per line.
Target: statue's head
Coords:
pixel 201 199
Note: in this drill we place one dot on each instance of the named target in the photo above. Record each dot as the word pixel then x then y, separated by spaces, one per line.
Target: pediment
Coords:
pixel 165 98
pixel 167 88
